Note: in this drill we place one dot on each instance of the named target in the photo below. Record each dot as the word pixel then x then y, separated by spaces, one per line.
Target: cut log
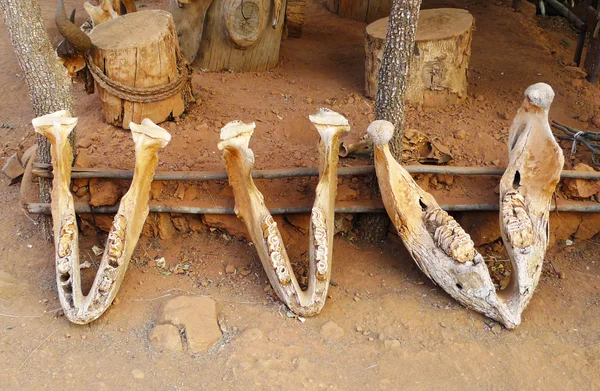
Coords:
pixel 364 10
pixel 242 36
pixel 294 17
pixel 438 68
pixel 139 70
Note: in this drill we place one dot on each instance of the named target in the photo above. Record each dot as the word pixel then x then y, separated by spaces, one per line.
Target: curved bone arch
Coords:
pixel 127 224
pixel 444 251
pixel 250 207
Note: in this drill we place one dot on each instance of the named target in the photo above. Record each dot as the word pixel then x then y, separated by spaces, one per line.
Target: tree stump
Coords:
pixel 438 68
pixel 140 52
pixel 364 10
pixel 242 35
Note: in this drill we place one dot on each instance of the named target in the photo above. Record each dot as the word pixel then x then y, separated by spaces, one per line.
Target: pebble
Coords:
pixel 137 374
pixel 230 269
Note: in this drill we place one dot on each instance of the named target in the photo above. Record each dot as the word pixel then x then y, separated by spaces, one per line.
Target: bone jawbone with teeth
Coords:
pixel 251 209
pixel 127 224
pixel 526 188
pixel 437 243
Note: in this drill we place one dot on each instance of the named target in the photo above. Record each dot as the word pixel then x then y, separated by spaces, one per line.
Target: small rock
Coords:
pixel 165 337
pixel 166 230
pixel 199 318
pixel 596 120
pixel 576 72
pixel 13 170
pixel 180 192
pixel 137 374
pixel 244 270
pixel 581 188
pixel 181 224
pixel 84 143
pixel 345 193
pixel 230 269
pixel 156 189
pixel 460 135
pixel 191 194
pixel 104 192
pixel 391 344
pixel 577 83
pixel 331 330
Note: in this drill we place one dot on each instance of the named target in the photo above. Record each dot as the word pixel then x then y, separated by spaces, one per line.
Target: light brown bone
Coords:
pixel 103 12
pixel 526 188
pixel 439 246
pixel 127 224
pixel 445 252
pixel 251 209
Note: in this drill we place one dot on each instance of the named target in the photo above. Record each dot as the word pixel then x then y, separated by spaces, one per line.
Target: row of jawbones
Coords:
pixel 437 243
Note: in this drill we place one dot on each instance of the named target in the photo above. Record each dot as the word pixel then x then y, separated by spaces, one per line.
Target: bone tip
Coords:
pixel 381 132
pixel 236 128
pixel 540 95
pixel 152 130
pixel 62 117
pixel 328 117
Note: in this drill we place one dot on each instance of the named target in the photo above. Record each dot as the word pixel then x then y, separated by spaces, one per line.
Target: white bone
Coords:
pixel 250 207
pixel 127 224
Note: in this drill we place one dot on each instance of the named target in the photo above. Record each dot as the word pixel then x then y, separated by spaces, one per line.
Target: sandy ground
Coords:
pixel 378 289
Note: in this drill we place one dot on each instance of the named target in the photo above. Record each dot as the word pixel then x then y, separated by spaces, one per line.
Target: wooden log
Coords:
pixel 438 68
pixel 294 17
pixel 139 51
pixel 242 36
pixel 364 10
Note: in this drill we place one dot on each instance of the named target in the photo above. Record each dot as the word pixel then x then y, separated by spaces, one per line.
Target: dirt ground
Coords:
pixel 378 288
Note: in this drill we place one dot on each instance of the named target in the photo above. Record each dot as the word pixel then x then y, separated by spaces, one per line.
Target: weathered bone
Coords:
pixel 437 243
pixel 103 12
pixel 444 251
pixel 127 224
pixel 526 188
pixel 250 207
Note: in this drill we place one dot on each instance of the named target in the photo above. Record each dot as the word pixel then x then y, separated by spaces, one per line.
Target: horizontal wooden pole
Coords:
pixel 44 170
pixel 373 207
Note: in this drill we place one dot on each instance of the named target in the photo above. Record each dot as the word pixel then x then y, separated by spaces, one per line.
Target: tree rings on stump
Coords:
pixel 136 52
pixel 438 68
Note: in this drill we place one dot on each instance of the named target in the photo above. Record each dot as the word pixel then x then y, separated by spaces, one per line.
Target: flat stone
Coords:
pixel 165 337
pixel 199 318
pixel 331 330
pixel 391 344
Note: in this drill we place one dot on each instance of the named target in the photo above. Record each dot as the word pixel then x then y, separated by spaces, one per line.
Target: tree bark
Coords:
pixel 400 41
pixel 47 80
pixel 389 104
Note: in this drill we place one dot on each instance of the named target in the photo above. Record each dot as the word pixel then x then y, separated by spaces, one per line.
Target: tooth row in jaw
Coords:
pixel 116 243
pixel 449 235
pixel 517 225
pixel 320 237
pixel 274 247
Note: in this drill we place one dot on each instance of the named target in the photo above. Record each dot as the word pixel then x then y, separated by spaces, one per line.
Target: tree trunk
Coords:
pixel 389 105
pixel 47 80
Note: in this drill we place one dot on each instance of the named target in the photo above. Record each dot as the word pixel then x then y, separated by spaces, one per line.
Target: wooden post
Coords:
pixel 242 36
pixel 364 10
pixel 294 17
pixel 438 68
pixel 139 50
